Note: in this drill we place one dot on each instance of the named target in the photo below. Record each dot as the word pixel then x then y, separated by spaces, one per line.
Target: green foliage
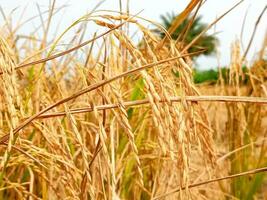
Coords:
pixel 204 76
pixel 205 42
pixel 212 76
pixel 255 185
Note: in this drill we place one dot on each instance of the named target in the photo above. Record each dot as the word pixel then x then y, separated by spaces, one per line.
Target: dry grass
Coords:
pixel 107 118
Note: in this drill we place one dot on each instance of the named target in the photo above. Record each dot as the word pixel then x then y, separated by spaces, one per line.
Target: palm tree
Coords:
pixel 205 42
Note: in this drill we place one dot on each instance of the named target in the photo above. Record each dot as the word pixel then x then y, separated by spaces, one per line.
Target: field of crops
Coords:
pixel 107 117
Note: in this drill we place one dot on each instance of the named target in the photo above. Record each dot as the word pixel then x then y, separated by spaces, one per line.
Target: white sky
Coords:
pixel 229 28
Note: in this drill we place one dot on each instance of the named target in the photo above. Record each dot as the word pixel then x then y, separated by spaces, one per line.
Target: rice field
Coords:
pixel 106 117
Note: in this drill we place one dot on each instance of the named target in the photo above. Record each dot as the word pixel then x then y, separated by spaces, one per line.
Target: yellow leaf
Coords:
pixel 181 17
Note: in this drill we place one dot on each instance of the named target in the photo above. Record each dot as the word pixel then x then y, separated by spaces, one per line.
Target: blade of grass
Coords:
pixel 250 172
pixel 233 99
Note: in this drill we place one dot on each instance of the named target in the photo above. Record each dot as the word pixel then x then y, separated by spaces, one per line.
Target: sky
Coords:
pixel 227 30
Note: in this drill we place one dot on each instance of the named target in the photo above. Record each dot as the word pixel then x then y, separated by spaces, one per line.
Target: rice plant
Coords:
pixel 104 116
